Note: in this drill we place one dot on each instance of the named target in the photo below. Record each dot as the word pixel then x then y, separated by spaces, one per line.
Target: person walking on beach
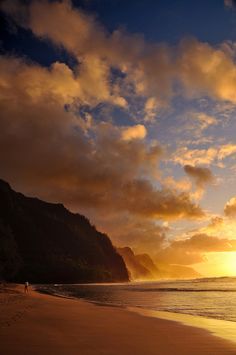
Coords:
pixel 26 287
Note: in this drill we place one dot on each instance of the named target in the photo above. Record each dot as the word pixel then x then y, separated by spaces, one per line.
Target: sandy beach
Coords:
pixel 44 324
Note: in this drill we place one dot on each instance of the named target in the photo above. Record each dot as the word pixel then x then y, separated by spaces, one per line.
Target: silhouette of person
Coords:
pixel 26 287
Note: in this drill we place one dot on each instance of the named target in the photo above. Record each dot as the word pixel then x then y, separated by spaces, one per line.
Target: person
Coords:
pixel 26 287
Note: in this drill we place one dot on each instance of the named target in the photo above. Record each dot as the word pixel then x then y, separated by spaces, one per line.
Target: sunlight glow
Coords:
pixel 218 264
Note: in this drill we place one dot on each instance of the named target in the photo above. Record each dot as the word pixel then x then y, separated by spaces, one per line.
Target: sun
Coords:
pixel 229 263
pixel 218 264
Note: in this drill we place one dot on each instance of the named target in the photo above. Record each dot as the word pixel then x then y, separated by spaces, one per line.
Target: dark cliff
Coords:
pixel 43 242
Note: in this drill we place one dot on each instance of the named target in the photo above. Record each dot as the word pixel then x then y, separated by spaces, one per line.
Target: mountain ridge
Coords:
pixel 45 242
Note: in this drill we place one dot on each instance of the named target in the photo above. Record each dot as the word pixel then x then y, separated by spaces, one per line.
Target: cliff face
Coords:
pixel 44 242
pixel 141 267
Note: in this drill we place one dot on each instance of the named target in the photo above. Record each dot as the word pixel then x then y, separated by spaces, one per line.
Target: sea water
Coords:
pixel 208 297
pixel 209 302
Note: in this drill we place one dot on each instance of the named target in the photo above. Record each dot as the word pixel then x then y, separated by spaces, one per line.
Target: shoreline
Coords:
pixel 40 323
pixel 224 329
pixel 220 328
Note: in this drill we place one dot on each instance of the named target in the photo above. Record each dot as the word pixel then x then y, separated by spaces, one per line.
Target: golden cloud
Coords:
pixel 185 156
pixel 205 243
pixel 205 120
pixel 136 132
pixel 230 207
pixel 100 168
pixel 200 68
pixel 46 149
pixel 182 184
pixel 193 250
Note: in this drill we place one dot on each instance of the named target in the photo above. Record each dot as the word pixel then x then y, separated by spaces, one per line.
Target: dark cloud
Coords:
pixel 201 176
pixel 230 3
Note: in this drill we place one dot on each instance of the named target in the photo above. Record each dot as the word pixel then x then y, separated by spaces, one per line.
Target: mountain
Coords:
pixel 45 243
pixel 140 266
pixel 148 263
pixel 177 272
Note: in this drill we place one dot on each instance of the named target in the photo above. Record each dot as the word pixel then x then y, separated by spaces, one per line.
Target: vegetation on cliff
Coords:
pixel 44 242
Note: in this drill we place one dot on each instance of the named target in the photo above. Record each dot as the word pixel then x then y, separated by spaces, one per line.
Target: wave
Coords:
pixel 182 290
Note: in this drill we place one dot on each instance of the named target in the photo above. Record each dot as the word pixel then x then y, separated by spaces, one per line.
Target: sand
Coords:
pixel 44 324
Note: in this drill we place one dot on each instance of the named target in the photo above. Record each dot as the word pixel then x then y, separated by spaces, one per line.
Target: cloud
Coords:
pixel 199 68
pixel 193 250
pixel 152 239
pixel 59 82
pixel 136 132
pixel 230 207
pixel 182 184
pixel 109 172
pixel 205 243
pixel 164 203
pixel 185 156
pixel 226 151
pixel 144 235
pixel 230 3
pixel 206 120
pixel 201 176
pixel 223 227
pixel 45 148
pixel 197 122
pixel 215 223
pixel 205 70
pixel 216 155
pixel 150 106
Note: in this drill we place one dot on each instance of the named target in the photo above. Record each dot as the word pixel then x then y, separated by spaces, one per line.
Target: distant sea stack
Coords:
pixel 45 243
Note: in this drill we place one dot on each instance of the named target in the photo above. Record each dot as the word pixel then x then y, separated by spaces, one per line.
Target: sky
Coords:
pixel 125 111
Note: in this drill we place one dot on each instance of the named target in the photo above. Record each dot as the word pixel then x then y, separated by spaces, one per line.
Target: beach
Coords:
pixel 36 323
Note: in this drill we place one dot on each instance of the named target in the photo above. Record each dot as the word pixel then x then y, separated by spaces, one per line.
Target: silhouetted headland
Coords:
pixel 45 243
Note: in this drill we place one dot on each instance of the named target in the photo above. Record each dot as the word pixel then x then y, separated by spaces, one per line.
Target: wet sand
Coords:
pixel 43 324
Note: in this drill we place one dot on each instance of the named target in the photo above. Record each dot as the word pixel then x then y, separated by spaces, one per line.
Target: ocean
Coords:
pixel 209 297
pixel 209 302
